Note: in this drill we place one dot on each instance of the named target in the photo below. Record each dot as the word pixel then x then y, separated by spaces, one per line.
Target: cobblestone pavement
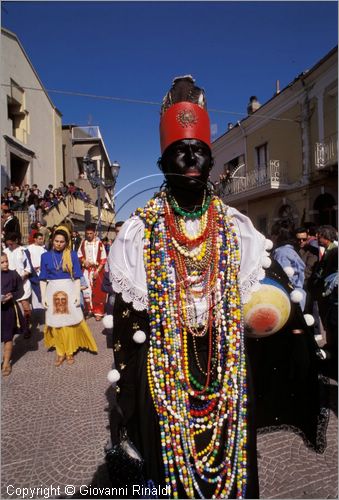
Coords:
pixel 55 426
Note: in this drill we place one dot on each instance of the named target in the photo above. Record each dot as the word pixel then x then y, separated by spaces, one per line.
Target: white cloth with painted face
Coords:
pixel 61 310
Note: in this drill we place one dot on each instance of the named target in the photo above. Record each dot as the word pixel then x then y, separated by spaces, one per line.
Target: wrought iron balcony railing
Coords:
pixel 326 153
pixel 271 175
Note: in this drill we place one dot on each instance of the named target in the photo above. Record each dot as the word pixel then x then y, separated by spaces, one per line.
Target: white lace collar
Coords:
pixel 126 261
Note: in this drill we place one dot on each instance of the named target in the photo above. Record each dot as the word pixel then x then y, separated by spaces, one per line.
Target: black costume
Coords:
pixel 183 391
pixel 11 225
pixel 287 388
pixel 12 320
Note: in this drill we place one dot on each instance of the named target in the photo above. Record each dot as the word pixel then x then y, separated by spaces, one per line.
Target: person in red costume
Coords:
pixel 92 255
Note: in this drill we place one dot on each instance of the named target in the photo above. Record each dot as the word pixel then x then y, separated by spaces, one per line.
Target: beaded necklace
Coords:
pixel 190 215
pixel 214 405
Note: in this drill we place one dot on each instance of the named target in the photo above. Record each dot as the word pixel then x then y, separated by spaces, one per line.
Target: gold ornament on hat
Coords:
pixel 186 118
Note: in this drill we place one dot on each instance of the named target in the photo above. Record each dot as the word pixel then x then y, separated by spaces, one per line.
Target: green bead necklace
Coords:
pixel 214 385
pixel 190 215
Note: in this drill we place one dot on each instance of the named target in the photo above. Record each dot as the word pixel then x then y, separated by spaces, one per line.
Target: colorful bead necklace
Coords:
pixel 202 417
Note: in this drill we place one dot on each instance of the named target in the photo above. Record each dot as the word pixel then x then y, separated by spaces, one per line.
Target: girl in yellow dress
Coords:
pixel 65 327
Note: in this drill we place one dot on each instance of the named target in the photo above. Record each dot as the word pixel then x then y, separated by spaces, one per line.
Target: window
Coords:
pixel 324 207
pixel 261 156
pixel 16 112
pixel 261 163
pixel 81 169
pixel 232 165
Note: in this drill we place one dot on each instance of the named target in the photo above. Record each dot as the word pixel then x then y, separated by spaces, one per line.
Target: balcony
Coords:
pixel 74 208
pixel 85 133
pixel 258 182
pixel 326 153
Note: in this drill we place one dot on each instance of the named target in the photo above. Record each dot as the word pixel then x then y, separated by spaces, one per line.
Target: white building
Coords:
pixel 281 161
pixel 30 125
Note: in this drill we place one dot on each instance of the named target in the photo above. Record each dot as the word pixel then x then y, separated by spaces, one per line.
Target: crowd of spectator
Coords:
pixel 36 202
pixel 309 256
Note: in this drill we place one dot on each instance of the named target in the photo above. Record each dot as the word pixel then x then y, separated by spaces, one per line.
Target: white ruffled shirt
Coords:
pixel 36 251
pixel 17 261
pixel 126 268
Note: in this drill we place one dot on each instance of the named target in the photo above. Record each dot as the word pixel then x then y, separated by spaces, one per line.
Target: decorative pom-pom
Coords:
pixel 107 321
pixel 268 244
pixel 296 296
pixel 309 319
pixel 289 271
pixel 139 337
pixel 266 262
pixel 113 376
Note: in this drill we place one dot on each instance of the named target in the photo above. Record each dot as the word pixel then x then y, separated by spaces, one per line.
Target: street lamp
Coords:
pixel 115 169
pixel 97 181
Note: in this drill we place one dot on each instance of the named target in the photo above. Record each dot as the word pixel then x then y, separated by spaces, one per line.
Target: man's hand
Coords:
pixel 43 286
pixel 77 293
pixel 8 296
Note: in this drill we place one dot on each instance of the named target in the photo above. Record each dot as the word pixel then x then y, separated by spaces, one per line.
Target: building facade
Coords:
pixel 78 144
pixel 281 161
pixel 37 149
pixel 30 125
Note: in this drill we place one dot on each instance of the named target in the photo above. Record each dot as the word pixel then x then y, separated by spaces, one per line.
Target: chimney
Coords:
pixel 253 105
pixel 277 87
pixel 229 125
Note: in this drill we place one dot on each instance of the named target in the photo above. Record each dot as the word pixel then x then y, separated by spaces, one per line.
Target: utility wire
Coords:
pixel 140 101
pixel 93 96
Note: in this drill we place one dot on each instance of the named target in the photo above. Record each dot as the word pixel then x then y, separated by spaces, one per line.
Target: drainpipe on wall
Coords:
pixel 29 173
pixel 245 141
pixel 305 135
pixel 245 149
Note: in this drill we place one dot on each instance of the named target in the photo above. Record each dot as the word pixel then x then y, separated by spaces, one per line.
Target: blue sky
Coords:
pixel 133 50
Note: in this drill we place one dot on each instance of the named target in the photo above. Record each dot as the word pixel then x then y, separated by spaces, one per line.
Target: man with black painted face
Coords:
pixel 181 269
pixel 186 165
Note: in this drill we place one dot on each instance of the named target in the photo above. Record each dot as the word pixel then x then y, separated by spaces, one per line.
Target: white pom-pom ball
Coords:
pixel 139 337
pixel 268 244
pixel 289 271
pixel 113 376
pixel 296 296
pixel 266 262
pixel 107 321
pixel 309 319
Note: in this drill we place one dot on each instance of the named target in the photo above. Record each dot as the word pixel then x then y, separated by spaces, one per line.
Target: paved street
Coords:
pixel 55 427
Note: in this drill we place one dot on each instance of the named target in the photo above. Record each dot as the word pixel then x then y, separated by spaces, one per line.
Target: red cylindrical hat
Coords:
pixel 184 120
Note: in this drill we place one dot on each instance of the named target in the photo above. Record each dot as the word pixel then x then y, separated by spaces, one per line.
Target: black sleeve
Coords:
pixel 18 289
pixel 130 359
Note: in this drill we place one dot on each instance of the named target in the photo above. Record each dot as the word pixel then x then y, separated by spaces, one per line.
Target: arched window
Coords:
pixel 325 212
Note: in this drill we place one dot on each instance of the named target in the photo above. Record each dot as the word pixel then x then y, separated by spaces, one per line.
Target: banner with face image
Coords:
pixel 61 311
